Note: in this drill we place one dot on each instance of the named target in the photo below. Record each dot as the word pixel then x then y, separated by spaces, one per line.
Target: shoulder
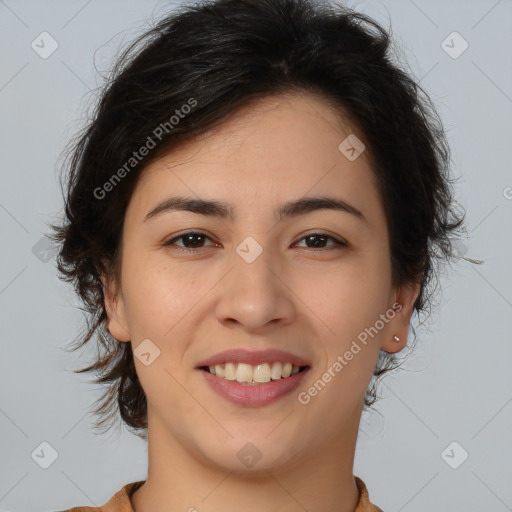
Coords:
pixel 119 502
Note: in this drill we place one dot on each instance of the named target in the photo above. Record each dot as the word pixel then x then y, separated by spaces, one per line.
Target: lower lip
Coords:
pixel 255 395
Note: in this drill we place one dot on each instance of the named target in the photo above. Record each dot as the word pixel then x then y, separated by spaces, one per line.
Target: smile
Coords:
pixel 254 394
pixel 254 374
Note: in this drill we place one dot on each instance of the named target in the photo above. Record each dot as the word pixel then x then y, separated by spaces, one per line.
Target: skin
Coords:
pixel 296 296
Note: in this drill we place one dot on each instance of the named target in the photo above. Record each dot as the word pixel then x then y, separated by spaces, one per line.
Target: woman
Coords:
pixel 253 215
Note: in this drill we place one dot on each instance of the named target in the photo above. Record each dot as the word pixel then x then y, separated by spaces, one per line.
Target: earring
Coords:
pixel 396 338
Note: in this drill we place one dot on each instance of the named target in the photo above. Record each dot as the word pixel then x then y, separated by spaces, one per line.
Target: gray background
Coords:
pixel 456 386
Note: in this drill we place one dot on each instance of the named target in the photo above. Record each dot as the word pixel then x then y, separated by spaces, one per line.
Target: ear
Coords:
pixel 399 325
pixel 116 314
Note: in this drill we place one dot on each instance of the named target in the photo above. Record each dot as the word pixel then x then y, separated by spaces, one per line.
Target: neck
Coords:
pixel 180 481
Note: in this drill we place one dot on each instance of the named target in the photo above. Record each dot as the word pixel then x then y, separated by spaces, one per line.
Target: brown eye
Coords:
pixel 192 241
pixel 319 240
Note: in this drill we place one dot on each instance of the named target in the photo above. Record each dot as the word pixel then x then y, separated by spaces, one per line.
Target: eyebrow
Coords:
pixel 222 210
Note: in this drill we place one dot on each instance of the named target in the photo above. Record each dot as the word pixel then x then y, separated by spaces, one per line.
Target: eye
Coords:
pixel 192 241
pixel 190 237
pixel 318 240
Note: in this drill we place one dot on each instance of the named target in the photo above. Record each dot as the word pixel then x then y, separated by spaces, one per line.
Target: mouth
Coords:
pixel 245 391
pixel 254 367
pixel 251 378
pixel 253 375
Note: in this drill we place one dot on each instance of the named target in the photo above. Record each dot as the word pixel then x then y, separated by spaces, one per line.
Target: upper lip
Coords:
pixel 236 355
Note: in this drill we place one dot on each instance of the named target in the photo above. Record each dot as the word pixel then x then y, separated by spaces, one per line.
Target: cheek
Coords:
pixel 350 298
pixel 349 303
pixel 155 295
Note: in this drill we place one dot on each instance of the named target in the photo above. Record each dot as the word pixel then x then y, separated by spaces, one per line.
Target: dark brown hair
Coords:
pixel 214 58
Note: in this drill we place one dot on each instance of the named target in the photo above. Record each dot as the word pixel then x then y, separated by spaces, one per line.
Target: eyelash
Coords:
pixel 171 241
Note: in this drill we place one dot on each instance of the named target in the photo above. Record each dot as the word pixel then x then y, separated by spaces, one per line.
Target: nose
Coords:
pixel 256 295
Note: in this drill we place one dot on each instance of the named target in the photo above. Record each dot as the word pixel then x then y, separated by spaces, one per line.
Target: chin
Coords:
pixel 256 457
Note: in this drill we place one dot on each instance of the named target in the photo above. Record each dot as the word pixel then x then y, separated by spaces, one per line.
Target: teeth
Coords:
pixel 277 371
pixel 230 371
pixel 243 373
pixel 248 374
pixel 262 373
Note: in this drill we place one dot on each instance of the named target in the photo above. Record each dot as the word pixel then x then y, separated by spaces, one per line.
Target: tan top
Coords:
pixel 120 502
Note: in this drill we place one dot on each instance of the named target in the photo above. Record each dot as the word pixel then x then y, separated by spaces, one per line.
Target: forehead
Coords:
pixel 273 149
pixel 274 125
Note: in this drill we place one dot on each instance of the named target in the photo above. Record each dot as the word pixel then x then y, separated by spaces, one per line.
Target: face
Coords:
pixel 310 282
